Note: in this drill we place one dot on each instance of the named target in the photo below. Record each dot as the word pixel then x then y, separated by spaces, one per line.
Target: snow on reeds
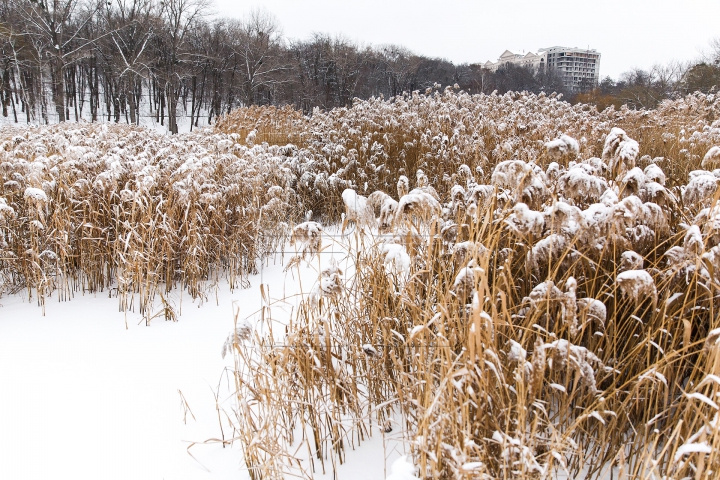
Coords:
pixel 89 208
pixel 551 317
pixel 540 299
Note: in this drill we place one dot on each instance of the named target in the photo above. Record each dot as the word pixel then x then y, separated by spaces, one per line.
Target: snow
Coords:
pixel 629 149
pixel 688 448
pixel 550 247
pixel 561 146
pixel 357 204
pixel 98 394
pixel 556 147
pixel 147 119
pixel 418 202
pixel 516 353
pixel 524 221
pixel 592 310
pixel 693 241
pixel 620 150
pixel 35 194
pixel 701 186
pixel 510 173
pixel 711 158
pixel 654 173
pixel 637 285
pixel 634 179
pixel 578 183
pixel 704 399
pixel 357 208
pixel 565 218
pixel 402 469
pixel 630 260
pixel 96 400
pixel 397 260
pixel 6 211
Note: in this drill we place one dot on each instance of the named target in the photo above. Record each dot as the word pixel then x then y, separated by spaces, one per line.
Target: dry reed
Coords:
pixel 529 308
pixel 576 336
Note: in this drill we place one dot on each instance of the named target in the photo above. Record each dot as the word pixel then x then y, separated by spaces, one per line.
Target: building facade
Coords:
pixel 530 59
pixel 579 68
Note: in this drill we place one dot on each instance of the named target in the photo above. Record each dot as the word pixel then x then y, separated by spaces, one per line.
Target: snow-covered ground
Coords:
pixel 89 392
pixel 81 396
pixel 147 119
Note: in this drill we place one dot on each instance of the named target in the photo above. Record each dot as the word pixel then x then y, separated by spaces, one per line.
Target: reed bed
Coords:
pixel 546 315
pixel 369 145
pixel 92 208
pixel 265 124
pixel 530 287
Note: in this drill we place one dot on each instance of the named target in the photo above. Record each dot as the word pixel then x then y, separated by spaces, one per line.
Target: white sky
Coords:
pixel 628 33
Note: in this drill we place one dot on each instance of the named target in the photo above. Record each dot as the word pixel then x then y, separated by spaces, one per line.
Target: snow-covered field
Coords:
pixel 87 392
pixel 91 392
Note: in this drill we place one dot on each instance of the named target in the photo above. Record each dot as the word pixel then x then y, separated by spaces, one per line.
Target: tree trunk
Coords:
pixel 58 87
pixel 13 98
pixel 202 97
pixel 172 109
pixel 81 89
pixel 5 93
pixel 75 93
pixel 132 106
pixel 162 106
pixel 192 102
pixel 93 87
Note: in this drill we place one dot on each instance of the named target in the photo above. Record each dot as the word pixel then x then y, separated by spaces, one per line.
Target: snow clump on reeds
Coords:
pixel 638 286
pixel 560 147
pixel 357 210
pixel 711 160
pixel 620 152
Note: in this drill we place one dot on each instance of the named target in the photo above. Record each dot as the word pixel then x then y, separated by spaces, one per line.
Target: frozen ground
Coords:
pixel 90 392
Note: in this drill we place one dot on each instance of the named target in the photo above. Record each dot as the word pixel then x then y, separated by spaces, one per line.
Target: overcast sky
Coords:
pixel 628 33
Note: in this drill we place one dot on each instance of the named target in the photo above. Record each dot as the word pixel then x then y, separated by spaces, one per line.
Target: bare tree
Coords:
pixel 259 52
pixel 131 24
pixel 55 27
pixel 326 71
pixel 11 46
pixel 400 66
pixel 701 77
pixel 171 52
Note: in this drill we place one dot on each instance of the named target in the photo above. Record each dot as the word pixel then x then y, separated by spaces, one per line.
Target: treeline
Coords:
pixel 640 89
pixel 122 60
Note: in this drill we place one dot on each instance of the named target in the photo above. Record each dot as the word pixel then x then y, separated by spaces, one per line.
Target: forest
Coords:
pixel 122 60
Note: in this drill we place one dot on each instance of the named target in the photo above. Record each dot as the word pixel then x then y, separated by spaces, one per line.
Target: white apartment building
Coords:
pixel 579 68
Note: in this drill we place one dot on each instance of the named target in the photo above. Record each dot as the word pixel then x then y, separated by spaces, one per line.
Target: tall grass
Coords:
pixel 491 349
pixel 268 124
pixel 440 356
pixel 535 305
pixel 87 208
pixel 375 141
